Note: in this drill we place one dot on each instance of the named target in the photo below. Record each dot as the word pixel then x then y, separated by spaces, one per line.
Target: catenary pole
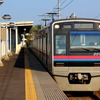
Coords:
pixel 59 9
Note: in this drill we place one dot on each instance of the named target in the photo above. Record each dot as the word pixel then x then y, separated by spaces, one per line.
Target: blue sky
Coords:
pixel 28 10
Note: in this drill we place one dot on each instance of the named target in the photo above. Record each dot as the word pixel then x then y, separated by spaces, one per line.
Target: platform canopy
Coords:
pixel 22 23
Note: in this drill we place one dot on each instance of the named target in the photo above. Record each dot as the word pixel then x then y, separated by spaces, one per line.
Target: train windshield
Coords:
pixel 85 39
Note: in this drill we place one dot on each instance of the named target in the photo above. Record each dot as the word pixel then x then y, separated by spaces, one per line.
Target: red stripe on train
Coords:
pixel 76 57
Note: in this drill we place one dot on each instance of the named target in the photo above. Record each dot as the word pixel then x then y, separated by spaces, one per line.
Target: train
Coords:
pixel 70 50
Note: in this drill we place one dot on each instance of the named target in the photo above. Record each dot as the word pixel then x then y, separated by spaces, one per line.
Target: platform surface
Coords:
pixel 23 77
pixel 12 78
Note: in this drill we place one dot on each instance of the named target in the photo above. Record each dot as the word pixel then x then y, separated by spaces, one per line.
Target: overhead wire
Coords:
pixel 60 5
pixel 53 11
pixel 67 4
pixel 57 6
pixel 64 6
pixel 54 8
pixel 63 2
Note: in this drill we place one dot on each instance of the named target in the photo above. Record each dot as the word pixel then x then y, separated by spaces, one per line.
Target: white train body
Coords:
pixel 70 49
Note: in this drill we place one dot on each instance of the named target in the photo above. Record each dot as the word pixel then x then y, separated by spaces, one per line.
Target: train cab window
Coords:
pixel 60 44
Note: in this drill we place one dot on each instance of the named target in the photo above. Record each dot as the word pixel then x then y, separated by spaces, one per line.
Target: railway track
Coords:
pixel 83 95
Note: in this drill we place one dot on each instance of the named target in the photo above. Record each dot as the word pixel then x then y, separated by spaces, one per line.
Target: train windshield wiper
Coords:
pixel 96 49
pixel 85 49
pixel 78 49
pixel 89 49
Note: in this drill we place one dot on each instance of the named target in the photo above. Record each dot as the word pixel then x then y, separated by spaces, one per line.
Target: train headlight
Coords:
pixel 57 26
pixel 99 26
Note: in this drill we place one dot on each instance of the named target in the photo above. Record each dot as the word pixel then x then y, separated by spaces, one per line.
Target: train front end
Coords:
pixel 76 54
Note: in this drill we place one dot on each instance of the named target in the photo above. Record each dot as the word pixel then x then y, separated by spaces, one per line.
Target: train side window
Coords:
pixel 60 44
pixel 38 44
pixel 44 44
pixel 41 44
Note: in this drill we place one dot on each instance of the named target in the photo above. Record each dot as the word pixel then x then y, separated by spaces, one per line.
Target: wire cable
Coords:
pixel 67 4
pixel 61 5
pixel 63 2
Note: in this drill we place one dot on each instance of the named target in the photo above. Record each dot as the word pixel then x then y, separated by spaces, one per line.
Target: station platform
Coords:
pixel 23 77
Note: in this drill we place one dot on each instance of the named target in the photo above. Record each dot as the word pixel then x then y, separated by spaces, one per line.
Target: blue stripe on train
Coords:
pixel 85 32
pixel 76 59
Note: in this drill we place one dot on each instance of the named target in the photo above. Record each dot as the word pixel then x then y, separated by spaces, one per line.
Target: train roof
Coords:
pixel 76 19
pixel 73 19
pixel 44 28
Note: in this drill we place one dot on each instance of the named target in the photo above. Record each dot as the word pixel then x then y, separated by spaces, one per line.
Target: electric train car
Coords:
pixel 70 49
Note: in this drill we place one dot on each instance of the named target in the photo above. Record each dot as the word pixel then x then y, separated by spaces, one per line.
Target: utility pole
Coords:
pixel 52 15
pixel 44 19
pixel 58 9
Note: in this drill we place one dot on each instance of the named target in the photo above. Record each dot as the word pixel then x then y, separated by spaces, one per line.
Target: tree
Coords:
pixel 35 29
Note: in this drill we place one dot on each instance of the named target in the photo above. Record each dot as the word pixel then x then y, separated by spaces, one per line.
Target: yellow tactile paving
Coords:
pixel 30 92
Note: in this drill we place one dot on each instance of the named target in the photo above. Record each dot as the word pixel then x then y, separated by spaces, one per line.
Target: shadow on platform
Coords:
pixel 33 61
pixel 20 63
